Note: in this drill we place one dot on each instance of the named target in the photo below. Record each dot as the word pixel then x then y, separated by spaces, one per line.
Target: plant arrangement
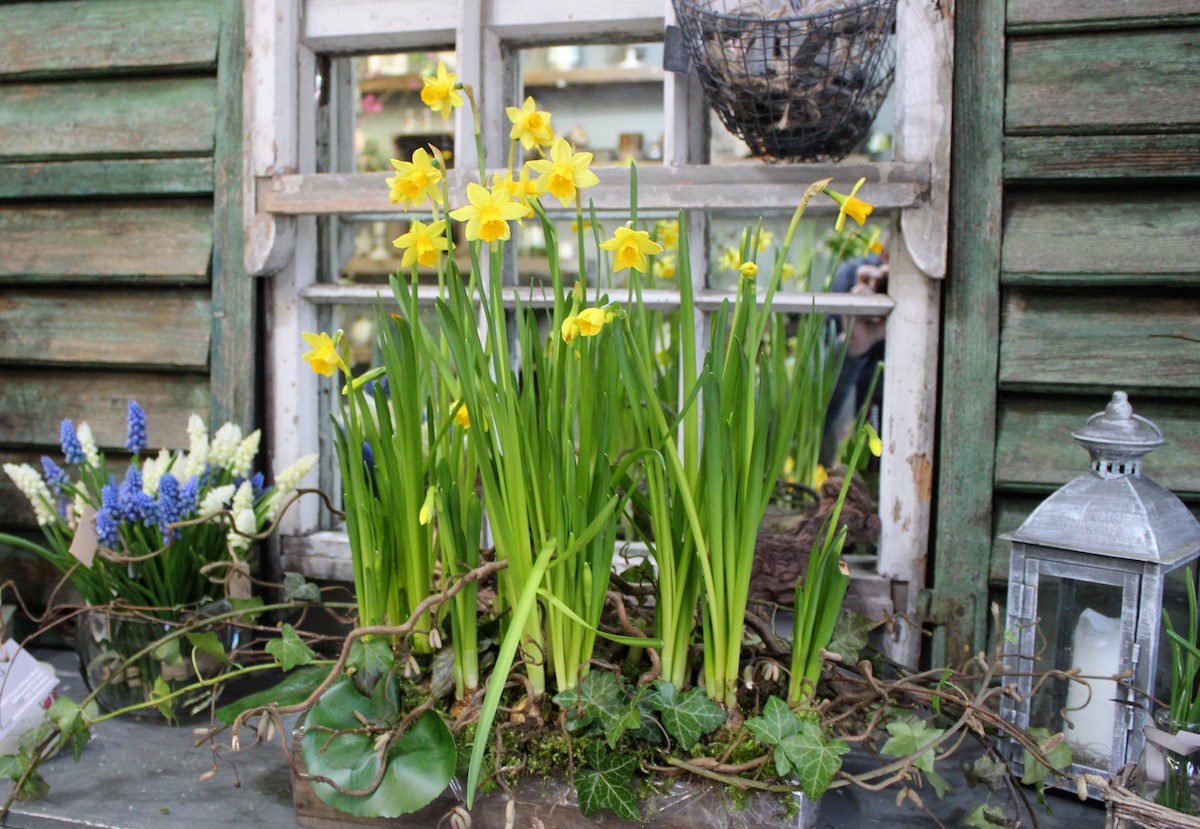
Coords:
pixel 166 542
pixel 1178 725
pixel 507 648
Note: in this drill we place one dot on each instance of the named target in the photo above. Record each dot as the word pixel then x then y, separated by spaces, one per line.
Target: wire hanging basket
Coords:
pixel 800 80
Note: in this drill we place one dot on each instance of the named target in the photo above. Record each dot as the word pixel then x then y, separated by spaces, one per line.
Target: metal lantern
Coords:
pixel 1092 569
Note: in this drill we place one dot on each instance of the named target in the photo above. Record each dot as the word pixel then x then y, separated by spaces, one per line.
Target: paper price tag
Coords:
pixel 86 540
pixel 27 689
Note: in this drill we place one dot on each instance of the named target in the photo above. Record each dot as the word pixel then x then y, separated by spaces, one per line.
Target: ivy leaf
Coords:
pixel 169 653
pixel 815 759
pixel 368 663
pixel 940 784
pixel 208 643
pixel 35 786
pixel 908 735
pixel 985 771
pixel 159 696
pixel 687 716
pixel 296 588
pixel 295 688
pixel 777 723
pixel 605 784
pixel 289 649
pixel 68 716
pixel 984 816
pixel 605 701
pixel 850 635
pixel 1059 754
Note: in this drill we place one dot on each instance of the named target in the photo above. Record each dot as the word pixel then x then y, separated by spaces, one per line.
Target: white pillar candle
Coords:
pixel 1097 649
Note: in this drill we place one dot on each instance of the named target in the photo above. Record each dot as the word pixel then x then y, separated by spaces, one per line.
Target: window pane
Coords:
pixel 606 98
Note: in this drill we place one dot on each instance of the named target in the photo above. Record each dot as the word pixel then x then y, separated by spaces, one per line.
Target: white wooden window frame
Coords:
pixel 284 195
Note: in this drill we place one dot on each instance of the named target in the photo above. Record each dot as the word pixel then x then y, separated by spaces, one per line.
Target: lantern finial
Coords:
pixel 1117 439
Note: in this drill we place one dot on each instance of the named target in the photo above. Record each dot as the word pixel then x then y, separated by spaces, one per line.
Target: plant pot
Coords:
pixel 684 805
pixel 123 659
pixel 1171 764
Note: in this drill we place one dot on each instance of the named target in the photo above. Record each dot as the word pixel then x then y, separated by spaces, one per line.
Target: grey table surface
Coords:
pixel 137 774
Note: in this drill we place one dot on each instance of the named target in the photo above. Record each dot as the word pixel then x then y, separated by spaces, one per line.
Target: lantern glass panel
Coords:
pixel 1079 626
pixel 1175 604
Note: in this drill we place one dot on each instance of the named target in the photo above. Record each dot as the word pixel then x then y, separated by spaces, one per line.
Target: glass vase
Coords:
pixel 135 667
pixel 1180 786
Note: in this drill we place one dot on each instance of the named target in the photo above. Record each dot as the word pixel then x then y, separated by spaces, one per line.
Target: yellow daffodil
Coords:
pixel 765 238
pixel 731 259
pixel 789 271
pixel 323 357
pixel 440 92
pixel 422 243
pixel 591 321
pixel 488 214
pixel 748 270
pixel 570 329
pixel 856 209
pixel 630 247
pixel 667 233
pixel 875 246
pixel 415 180
pixel 664 267
pixel 820 476
pixel 575 225
pixel 426 511
pixel 565 172
pixel 874 443
pixel 461 416
pixel 520 190
pixel 531 126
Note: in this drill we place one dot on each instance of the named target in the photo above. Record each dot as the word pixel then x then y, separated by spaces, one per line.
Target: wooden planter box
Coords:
pixel 689 806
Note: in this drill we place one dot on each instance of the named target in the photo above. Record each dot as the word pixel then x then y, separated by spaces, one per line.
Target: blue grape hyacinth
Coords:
pixel 135 437
pixel 71 447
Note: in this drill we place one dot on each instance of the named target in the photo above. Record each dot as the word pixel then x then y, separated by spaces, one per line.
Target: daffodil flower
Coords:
pixel 665 267
pixel 666 231
pixel 520 190
pixel 591 321
pixel 731 259
pixel 531 126
pixel 565 172
pixel 630 247
pixel 440 92
pixel 461 416
pixel 874 442
pixel 426 511
pixel 422 243
pixel 748 270
pixel 415 180
pixel 323 357
pixel 570 329
pixel 856 209
pixel 488 214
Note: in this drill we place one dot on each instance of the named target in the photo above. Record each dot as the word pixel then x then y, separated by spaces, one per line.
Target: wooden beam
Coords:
pixel 1092 158
pixel 34 402
pixel 234 292
pixel 81 37
pixel 164 242
pixel 132 327
pixel 378 25
pixel 972 318
pixel 1129 339
pixel 752 187
pixel 124 117
pixel 126 177
pixel 1145 80
pixel 1079 230
pixel 1027 16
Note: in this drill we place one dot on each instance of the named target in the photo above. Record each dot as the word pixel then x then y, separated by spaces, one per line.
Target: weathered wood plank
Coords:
pixel 1034 445
pixel 1075 230
pixel 165 242
pixel 752 186
pixel 1038 15
pixel 1098 338
pixel 1101 157
pixel 132 327
pixel 963 531
pixel 130 117
pixel 1127 81
pixel 82 36
pixel 125 177
pixel 33 403
pixel 234 293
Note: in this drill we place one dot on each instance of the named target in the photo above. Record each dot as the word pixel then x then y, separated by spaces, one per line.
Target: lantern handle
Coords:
pixel 1137 417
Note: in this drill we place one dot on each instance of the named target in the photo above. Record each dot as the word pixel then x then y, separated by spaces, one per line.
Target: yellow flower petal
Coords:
pixel 591 321
pixel 749 270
